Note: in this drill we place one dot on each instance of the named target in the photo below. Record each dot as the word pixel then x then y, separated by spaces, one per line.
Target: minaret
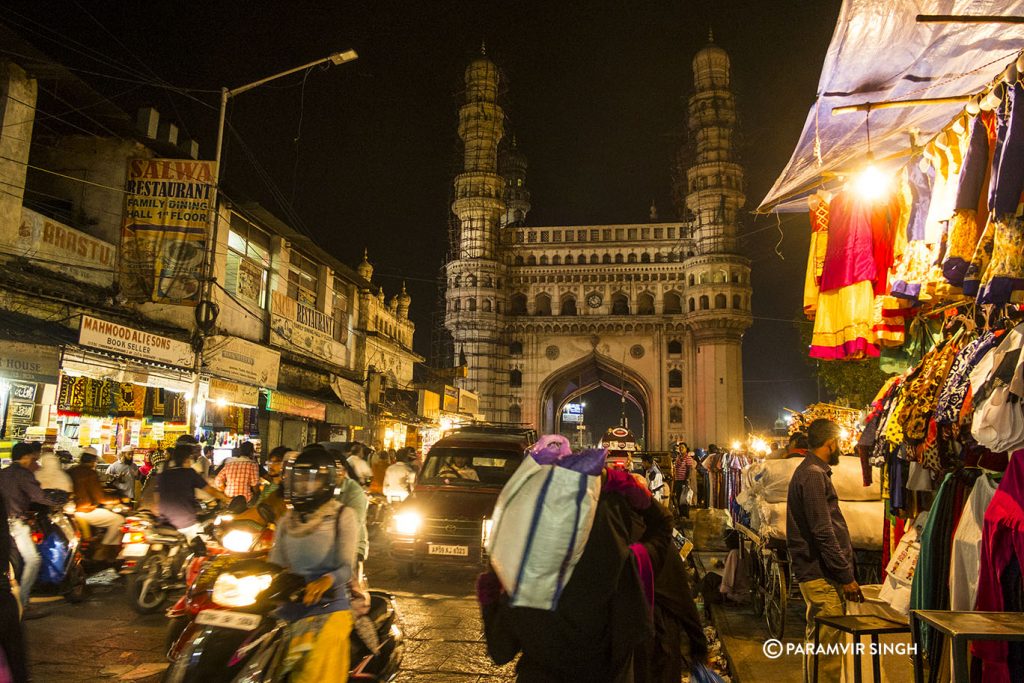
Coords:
pixel 512 165
pixel 720 296
pixel 475 302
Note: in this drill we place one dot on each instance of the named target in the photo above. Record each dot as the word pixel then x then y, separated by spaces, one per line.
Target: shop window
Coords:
pixel 675 347
pixel 568 305
pixel 302 279
pixel 675 379
pixel 515 378
pixel 675 414
pixel 620 304
pixel 645 304
pixel 542 304
pixel 517 306
pixel 248 262
pixel 673 303
pixel 721 301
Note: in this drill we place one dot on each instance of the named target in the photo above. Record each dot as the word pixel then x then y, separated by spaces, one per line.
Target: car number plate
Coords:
pixel 457 550
pixel 135 550
pixel 226 619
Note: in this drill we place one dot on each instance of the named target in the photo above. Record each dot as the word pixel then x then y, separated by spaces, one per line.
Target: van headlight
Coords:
pixel 239 591
pixel 238 540
pixel 485 532
pixel 407 523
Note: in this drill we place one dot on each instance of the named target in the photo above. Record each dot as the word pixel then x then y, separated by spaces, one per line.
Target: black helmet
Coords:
pixel 310 479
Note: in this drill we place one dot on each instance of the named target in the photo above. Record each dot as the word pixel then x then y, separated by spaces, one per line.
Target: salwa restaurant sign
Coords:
pixel 128 341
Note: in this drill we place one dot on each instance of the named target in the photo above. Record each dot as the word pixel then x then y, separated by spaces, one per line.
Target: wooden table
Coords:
pixel 963 627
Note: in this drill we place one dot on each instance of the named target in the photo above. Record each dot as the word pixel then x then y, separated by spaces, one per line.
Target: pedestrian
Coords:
pixel 655 480
pixel 52 477
pixel 240 476
pixel 89 499
pixel 818 541
pixel 681 467
pixel 271 489
pixel 123 473
pixel 12 634
pixel 400 477
pixel 20 489
pixel 796 447
pixel 703 476
pixel 146 467
pixel 379 464
pixel 357 460
pixel 203 462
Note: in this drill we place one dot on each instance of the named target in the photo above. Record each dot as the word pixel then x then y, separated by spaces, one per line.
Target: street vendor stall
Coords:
pixel 911 167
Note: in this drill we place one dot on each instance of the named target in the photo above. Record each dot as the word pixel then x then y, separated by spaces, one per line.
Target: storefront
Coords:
pixel 290 419
pixel 29 374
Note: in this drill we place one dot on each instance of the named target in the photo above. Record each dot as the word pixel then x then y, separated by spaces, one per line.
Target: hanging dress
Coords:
pixel 964 231
pixel 818 204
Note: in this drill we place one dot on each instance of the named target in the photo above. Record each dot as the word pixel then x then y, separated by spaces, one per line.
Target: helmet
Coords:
pixel 700 454
pixel 310 479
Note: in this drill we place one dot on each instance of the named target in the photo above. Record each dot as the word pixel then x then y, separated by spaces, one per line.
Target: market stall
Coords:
pixel 913 189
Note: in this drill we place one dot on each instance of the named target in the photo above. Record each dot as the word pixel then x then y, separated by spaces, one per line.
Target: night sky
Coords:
pixel 596 94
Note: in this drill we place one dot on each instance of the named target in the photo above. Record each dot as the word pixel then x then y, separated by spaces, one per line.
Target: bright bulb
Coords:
pixel 221 402
pixel 735 445
pixel 871 183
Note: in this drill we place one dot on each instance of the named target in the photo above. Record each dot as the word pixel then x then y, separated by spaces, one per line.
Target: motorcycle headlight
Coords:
pixel 239 591
pixel 238 541
pixel 407 523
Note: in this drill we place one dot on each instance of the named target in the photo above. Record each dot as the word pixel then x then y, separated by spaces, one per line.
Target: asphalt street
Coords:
pixel 102 639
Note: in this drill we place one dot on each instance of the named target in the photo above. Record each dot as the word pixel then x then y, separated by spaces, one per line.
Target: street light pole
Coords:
pixel 205 316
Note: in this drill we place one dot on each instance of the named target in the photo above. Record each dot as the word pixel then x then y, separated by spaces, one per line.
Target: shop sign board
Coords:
pixel 429 404
pixel 469 403
pixel 20 391
pixel 451 400
pixel 29 362
pixel 243 361
pixel 108 336
pixel 165 229
pixel 234 393
pixel 304 329
pixel 67 250
pixel 21 413
pixel 296 405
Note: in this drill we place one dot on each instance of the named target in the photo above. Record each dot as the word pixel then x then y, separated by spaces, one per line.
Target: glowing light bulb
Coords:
pixel 871 184
pixel 221 402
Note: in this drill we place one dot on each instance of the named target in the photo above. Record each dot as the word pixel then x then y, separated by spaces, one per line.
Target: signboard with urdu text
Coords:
pixel 108 336
pixel 165 231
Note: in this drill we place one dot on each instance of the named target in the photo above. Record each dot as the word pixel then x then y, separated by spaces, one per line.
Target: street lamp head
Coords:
pixel 338 58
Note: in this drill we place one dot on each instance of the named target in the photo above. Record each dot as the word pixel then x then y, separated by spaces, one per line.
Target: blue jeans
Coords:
pixel 22 537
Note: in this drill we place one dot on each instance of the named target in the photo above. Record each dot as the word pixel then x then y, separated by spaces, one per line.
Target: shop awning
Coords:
pixel 880 52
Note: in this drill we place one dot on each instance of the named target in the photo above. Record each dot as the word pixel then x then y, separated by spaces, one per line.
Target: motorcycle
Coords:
pixel 61 569
pixel 246 641
pixel 155 557
pixel 378 513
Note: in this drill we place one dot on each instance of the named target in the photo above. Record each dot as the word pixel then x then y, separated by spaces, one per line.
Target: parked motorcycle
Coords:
pixel 246 641
pixel 58 542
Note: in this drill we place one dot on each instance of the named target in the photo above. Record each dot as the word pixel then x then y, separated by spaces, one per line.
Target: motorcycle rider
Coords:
pixel 89 497
pixel 317 539
pixel 357 461
pixel 175 493
pixel 400 477
pixel 20 488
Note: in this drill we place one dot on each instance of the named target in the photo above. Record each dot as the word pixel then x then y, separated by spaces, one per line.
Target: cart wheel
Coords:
pixel 775 602
pixel 757 581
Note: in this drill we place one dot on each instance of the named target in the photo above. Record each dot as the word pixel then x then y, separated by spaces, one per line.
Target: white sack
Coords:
pixel 772 480
pixel 541 524
pixel 863 519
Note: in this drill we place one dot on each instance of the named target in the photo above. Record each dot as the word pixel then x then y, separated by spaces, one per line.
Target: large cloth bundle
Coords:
pixel 542 521
pixel 709 526
pixel 771 481
pixel 863 519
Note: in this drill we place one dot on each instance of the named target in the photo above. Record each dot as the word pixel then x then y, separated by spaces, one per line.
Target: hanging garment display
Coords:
pixel 911 272
pixel 818 204
pixel 963 229
pixel 902 566
pixel 967 541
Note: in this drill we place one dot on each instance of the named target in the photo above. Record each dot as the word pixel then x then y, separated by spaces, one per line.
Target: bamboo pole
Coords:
pixel 893 104
pixel 967 19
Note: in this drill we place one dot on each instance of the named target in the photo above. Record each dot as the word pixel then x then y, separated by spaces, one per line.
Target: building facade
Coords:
pixel 654 311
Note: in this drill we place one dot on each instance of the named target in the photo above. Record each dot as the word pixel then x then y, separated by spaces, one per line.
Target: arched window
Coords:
pixel 721 276
pixel 673 303
pixel 645 304
pixel 556 260
pixel 736 277
pixel 659 257
pixel 568 259
pixel 618 258
pixel 675 347
pixel 515 378
pixel 471 280
pixel 692 280
pixel 675 414
pixel 519 260
pixel 620 304
pixel 531 260
pixel 487 305
pixel 470 304
pixel 607 258
pixel 543 260
pixel 721 301
pixel 516 348
pixel 542 304
pixel 515 413
pixel 457 303
pixel 737 301
pixel 485 281
pixel 675 378
pixel 645 257
pixel 568 305
pixel 458 280
pixel 705 303
pixel 594 258
pixel 582 259
pixel 693 305
pixel 517 305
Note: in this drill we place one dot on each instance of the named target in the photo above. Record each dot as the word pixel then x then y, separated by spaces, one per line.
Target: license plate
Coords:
pixel 135 550
pixel 457 550
pixel 225 619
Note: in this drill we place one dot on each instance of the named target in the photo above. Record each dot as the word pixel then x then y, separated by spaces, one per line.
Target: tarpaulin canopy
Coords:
pixel 880 52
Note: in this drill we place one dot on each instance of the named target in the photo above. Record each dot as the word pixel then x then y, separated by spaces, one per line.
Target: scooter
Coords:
pixel 58 542
pixel 247 641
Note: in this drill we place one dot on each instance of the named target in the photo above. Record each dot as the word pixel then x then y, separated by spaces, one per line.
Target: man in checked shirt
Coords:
pixel 240 476
pixel 818 541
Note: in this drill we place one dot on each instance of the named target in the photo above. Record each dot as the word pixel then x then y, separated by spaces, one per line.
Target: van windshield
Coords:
pixel 469 467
